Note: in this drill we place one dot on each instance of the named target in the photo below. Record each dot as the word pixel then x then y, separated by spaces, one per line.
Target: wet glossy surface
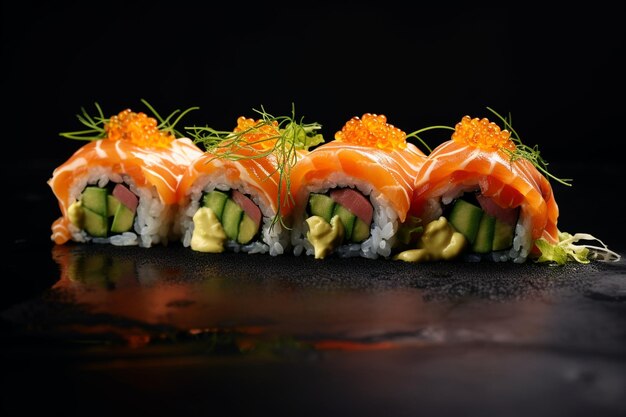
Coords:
pixel 158 329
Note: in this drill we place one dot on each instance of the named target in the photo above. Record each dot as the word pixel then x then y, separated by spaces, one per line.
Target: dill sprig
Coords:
pixel 96 124
pixel 165 125
pixel 291 136
pixel 425 129
pixel 522 151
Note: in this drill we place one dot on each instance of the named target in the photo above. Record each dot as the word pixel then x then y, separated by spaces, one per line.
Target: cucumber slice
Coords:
pixel 231 217
pixel 465 217
pixel 95 199
pixel 215 200
pixel 347 219
pixel 94 223
pixel 247 229
pixel 360 231
pixel 321 205
pixel 123 219
pixel 484 236
pixel 502 236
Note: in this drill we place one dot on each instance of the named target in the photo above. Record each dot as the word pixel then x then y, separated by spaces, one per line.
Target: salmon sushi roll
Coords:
pixel 483 182
pixel 235 197
pixel 352 194
pixel 121 188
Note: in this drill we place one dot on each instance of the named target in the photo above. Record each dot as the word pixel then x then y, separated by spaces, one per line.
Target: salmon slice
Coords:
pixel 259 174
pixel 61 231
pixel 390 172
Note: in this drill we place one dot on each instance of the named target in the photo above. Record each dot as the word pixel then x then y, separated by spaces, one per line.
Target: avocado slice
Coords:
pixel 95 199
pixel 466 217
pixel 321 205
pixel 215 200
pixel 94 223
pixel 247 229
pixel 484 236
pixel 360 231
pixel 231 217
pixel 122 220
pixel 347 219
pixel 112 205
pixel 502 236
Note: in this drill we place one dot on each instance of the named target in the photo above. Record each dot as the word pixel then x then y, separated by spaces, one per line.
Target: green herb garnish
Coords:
pixel 96 124
pixel 565 250
pixel 521 150
pixel 425 129
pixel 290 137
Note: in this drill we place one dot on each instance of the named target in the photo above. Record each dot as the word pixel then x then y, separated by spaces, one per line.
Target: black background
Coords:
pixel 559 73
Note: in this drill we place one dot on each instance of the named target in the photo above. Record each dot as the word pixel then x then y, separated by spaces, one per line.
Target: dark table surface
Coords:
pixel 97 330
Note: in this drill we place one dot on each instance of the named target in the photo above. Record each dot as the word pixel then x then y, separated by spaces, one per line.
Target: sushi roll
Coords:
pixel 485 195
pixel 490 188
pixel 353 194
pixel 236 196
pixel 121 187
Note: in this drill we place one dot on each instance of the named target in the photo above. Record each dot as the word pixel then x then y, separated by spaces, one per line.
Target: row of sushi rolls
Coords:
pixel 276 185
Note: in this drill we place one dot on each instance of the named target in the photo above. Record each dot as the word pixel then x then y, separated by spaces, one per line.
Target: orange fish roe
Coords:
pixel 372 130
pixel 137 128
pixel 257 132
pixel 482 134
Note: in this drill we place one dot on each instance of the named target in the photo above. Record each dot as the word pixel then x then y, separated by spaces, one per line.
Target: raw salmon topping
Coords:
pixel 138 129
pixel 482 134
pixel 372 130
